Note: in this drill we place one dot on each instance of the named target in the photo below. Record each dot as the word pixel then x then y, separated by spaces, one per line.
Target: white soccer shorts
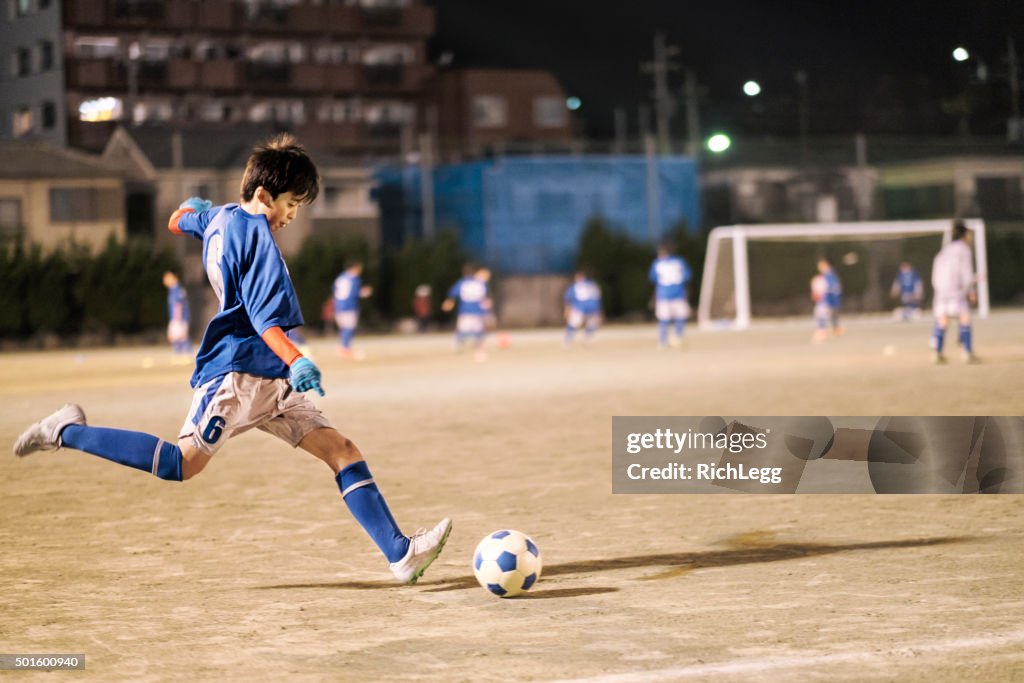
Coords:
pixel 671 309
pixel 177 331
pixel 346 320
pixel 578 318
pixel 952 306
pixel 470 323
pixel 235 403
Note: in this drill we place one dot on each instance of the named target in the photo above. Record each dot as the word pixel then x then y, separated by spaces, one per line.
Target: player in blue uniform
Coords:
pixel 582 308
pixel 348 290
pixel 908 288
pixel 826 310
pixel 670 275
pixel 248 373
pixel 472 297
pixel 177 316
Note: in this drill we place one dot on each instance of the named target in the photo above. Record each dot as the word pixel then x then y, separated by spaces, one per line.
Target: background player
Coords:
pixel 248 373
pixel 953 284
pixel 178 317
pixel 582 308
pixel 833 297
pixel 348 290
pixel 908 288
pixel 472 297
pixel 670 275
pixel 822 312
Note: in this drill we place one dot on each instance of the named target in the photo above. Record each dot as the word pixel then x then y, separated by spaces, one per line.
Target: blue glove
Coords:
pixel 305 376
pixel 197 204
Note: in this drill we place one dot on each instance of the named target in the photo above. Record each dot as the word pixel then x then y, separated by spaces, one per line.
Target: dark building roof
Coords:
pixel 214 147
pixel 29 160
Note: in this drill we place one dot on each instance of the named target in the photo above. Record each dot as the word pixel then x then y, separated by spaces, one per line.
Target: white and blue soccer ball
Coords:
pixel 507 563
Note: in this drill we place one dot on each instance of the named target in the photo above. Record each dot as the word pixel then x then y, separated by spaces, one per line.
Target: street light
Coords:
pixel 751 88
pixel 718 143
pixel 961 54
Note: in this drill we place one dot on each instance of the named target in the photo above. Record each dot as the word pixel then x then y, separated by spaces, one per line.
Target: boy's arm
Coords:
pixel 302 374
pixel 191 217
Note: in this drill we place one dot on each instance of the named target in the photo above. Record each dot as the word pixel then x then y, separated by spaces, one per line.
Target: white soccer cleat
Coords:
pixel 968 357
pixel 424 547
pixel 938 358
pixel 45 434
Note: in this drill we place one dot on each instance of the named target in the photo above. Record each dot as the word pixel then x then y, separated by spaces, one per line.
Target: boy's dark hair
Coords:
pixel 959 230
pixel 279 166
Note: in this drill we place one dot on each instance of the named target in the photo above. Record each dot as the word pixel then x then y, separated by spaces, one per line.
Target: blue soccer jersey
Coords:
pixel 670 275
pixel 909 284
pixel 346 292
pixel 251 280
pixel 833 290
pixel 176 296
pixel 471 294
pixel 584 296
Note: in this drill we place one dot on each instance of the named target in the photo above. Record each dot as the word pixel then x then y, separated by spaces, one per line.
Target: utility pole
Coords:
pixel 690 97
pixel 662 100
pixel 1015 130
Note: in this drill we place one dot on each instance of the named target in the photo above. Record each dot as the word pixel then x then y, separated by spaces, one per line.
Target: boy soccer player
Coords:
pixel 177 315
pixel 474 305
pixel 348 290
pixel 248 373
pixel 829 292
pixel 909 289
pixel 953 282
pixel 670 275
pixel 582 308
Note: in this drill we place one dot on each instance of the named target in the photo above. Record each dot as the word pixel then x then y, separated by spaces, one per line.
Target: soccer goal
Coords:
pixel 754 271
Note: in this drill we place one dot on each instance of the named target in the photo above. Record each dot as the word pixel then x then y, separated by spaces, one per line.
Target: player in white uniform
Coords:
pixel 248 373
pixel 953 283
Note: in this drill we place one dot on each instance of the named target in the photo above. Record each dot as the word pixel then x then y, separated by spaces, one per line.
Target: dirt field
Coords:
pixel 255 571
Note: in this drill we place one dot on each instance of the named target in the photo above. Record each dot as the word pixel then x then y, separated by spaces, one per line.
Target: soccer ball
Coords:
pixel 507 563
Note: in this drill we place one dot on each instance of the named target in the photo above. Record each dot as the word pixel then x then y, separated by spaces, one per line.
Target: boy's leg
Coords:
pixel 408 557
pixel 67 427
pixel 966 338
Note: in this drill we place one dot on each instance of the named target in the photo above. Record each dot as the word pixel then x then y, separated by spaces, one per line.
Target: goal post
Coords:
pixel 753 271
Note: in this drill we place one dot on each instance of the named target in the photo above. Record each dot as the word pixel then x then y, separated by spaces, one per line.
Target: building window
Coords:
pixel 22 62
pixel 22 124
pixel 96 47
pixel 22 7
pixel 490 111
pixel 549 112
pixel 83 204
pixel 43 4
pixel 49 115
pixel 100 109
pixel 10 218
pixel 45 55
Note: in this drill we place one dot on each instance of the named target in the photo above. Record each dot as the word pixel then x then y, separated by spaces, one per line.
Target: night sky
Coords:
pixel 872 66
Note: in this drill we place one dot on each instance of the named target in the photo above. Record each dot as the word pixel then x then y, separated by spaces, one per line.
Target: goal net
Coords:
pixel 754 271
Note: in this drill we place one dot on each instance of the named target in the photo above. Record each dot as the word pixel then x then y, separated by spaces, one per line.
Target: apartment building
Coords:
pixel 346 75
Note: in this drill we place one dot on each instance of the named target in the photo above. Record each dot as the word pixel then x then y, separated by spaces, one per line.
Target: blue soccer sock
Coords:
pixel 570 333
pixel 663 332
pixel 367 505
pixel 135 449
pixel 965 338
pixel 347 334
pixel 938 336
pixel 680 324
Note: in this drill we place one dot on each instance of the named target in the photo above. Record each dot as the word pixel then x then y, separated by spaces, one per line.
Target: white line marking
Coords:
pixel 761 666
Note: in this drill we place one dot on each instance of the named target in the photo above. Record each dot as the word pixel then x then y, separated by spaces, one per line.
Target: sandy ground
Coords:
pixel 255 571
